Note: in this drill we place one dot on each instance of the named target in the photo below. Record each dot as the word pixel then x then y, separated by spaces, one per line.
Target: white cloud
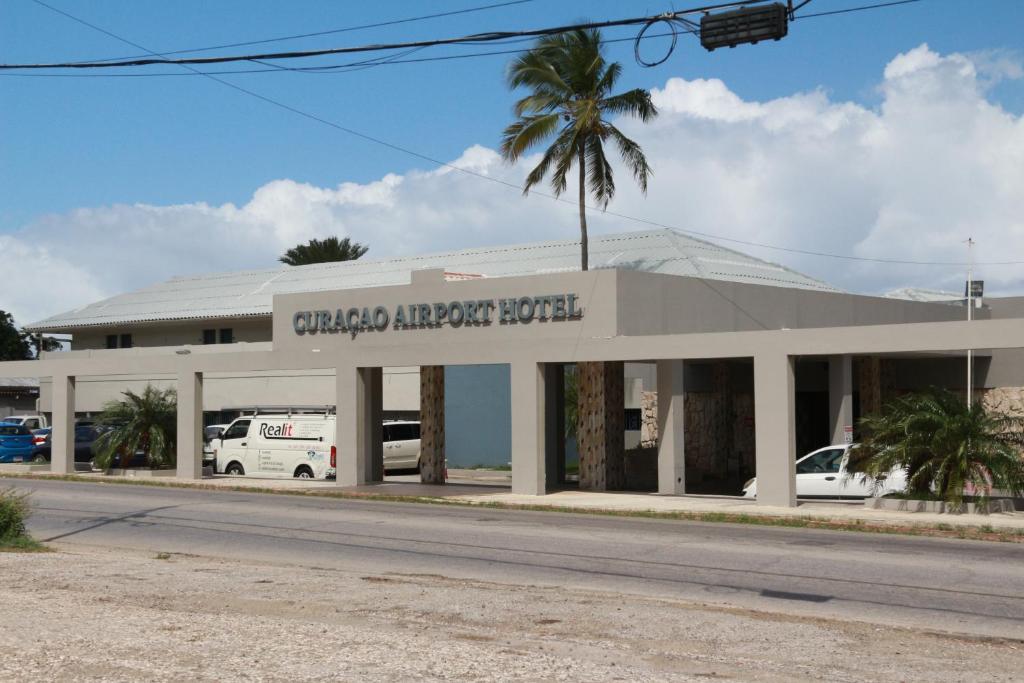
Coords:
pixel 935 162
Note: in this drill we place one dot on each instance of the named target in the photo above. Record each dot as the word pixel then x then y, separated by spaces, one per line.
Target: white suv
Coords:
pixel 401 445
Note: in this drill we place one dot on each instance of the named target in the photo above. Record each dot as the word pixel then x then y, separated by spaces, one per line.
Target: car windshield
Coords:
pixel 823 461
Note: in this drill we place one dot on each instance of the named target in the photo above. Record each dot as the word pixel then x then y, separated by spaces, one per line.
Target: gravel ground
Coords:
pixel 110 615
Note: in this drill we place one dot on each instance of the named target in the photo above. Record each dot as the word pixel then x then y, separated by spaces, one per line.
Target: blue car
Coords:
pixel 16 444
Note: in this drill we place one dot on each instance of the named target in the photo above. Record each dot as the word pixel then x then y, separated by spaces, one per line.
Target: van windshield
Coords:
pixel 238 430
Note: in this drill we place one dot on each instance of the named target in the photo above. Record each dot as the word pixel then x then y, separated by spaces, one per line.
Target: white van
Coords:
pixel 401 445
pixel 278 445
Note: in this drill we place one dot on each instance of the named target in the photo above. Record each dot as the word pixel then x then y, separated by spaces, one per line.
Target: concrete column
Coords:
pixel 62 438
pixel 530 442
pixel 840 396
pixel 432 452
pixel 190 425
pixel 775 430
pixel 554 416
pixel 601 433
pixel 671 419
pixel 373 419
pixel 350 432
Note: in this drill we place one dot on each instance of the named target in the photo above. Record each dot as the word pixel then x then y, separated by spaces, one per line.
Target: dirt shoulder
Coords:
pixel 96 614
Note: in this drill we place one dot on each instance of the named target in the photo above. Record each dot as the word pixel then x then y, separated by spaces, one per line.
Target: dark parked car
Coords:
pixel 85 435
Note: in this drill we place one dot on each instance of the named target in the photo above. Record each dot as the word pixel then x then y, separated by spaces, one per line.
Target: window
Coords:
pixel 13 430
pixel 209 336
pixel 826 461
pixel 226 336
pixel 126 341
pixel 239 430
pixel 401 432
pixel 111 341
pixel 31 424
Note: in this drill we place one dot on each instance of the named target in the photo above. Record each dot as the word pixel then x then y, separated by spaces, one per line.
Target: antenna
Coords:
pixel 970 317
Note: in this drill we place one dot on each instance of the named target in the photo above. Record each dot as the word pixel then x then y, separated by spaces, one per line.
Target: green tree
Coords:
pixel 14 345
pixel 324 251
pixel 18 344
pixel 944 446
pixel 570 86
pixel 145 422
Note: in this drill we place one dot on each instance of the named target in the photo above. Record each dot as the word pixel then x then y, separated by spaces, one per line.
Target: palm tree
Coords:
pixel 944 446
pixel 146 423
pixel 324 251
pixel 570 87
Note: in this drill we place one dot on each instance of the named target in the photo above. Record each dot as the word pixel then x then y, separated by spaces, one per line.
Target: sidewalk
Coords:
pixel 485 487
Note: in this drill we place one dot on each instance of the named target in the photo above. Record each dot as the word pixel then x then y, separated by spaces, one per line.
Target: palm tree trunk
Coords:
pixel 584 248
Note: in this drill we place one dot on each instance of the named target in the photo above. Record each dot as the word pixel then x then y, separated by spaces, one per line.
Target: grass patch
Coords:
pixel 938 530
pixel 14 510
pixel 162 556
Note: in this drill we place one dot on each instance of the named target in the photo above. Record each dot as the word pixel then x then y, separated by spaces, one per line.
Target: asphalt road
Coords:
pixel 948 585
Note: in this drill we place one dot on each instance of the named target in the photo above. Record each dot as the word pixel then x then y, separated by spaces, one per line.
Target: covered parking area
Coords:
pixel 605 333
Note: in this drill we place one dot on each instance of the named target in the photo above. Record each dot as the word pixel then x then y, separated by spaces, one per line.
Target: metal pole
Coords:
pixel 970 317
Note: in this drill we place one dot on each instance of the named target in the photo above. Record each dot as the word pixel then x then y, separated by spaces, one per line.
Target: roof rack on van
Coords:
pixel 287 410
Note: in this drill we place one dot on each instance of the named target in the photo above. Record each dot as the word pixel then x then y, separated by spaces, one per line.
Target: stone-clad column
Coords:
pixel 600 433
pixel 62 438
pixel 190 425
pixel 869 380
pixel 432 456
pixel 671 419
pixel 775 429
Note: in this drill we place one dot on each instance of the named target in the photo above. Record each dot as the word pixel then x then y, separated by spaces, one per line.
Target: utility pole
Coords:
pixel 970 317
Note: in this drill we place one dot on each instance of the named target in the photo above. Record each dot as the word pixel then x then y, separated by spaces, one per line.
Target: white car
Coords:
pixel 822 474
pixel 401 445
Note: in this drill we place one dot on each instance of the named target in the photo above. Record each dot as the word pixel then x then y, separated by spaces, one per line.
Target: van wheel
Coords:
pixel 304 472
pixel 235 469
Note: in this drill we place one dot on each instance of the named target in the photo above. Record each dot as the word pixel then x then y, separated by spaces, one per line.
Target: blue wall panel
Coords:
pixel 478 415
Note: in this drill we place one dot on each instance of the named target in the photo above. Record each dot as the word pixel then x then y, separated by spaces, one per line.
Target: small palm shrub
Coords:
pixel 944 446
pixel 146 422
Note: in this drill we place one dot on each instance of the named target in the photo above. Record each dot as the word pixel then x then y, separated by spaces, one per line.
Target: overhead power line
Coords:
pixel 345 67
pixel 493 36
pixel 333 31
pixel 682 26
pixel 516 187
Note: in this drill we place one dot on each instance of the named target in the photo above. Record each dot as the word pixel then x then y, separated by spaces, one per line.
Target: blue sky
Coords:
pixel 891 133
pixel 76 142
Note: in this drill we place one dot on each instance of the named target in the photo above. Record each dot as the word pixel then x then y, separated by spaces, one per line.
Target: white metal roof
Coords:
pixel 250 293
pixel 927 295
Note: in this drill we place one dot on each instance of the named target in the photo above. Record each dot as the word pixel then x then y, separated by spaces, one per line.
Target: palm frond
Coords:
pixel 527 132
pixel 636 103
pixel 633 156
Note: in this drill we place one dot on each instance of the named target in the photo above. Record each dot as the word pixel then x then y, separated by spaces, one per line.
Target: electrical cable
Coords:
pixel 673 28
pixel 325 69
pixel 445 164
pixel 855 9
pixel 315 34
pixel 302 54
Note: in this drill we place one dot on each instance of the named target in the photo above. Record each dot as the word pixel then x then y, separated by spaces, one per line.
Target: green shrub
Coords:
pixel 14 510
